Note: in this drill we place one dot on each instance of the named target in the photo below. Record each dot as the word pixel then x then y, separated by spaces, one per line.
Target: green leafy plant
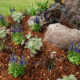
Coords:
pixel 36 25
pixel 42 6
pixel 16 35
pixel 17 66
pixel 17 16
pixel 18 38
pixel 70 77
pixel 32 10
pixel 34 44
pixel 74 54
pixel 3 21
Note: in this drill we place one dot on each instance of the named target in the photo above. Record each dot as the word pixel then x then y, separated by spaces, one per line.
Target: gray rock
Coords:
pixel 31 20
pixel 73 13
pixel 61 36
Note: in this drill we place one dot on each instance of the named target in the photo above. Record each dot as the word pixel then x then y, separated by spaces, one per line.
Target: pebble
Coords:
pixel 44 74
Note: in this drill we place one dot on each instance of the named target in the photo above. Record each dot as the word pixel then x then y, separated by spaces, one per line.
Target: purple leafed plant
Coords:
pixel 16 28
pixel 36 20
pixel 75 48
pixel 22 61
pixel 13 58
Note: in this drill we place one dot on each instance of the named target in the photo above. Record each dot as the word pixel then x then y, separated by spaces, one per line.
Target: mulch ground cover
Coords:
pixel 37 67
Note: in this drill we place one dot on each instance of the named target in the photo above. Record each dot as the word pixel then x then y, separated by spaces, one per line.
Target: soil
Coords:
pixel 37 67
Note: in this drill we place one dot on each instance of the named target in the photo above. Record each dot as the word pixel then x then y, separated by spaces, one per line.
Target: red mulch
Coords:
pixel 36 66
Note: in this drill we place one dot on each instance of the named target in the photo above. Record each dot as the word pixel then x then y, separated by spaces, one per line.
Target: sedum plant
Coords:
pixel 17 35
pixel 17 16
pixel 34 44
pixel 3 32
pixel 74 54
pixel 36 26
pixel 17 66
pixel 3 21
pixel 28 36
pixel 70 77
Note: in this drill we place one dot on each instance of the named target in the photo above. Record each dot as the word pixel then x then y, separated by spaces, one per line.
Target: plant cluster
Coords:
pixel 17 16
pixel 34 44
pixel 74 54
pixel 17 66
pixel 32 10
pixel 40 7
pixel 17 35
pixel 3 21
pixel 36 25
pixel 70 77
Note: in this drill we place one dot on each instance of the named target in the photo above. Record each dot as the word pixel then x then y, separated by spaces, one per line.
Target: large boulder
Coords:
pixel 61 36
pixel 72 17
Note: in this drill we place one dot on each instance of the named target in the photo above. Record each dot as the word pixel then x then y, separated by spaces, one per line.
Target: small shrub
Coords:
pixel 18 38
pixel 36 25
pixel 17 35
pixel 34 44
pixel 3 21
pixel 42 6
pixel 17 16
pixel 32 10
pixel 74 54
pixel 17 66
pixel 71 77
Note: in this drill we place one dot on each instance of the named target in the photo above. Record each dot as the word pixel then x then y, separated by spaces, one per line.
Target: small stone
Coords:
pixel 44 74
pixel 28 57
pixel 77 72
pixel 61 67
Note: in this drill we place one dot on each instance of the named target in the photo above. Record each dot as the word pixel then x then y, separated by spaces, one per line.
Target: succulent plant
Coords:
pixel 34 44
pixel 70 77
pixel 17 16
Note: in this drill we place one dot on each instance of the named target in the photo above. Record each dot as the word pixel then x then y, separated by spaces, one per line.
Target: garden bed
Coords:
pixel 37 67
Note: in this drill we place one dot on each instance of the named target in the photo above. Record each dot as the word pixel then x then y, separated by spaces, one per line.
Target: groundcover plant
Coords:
pixel 24 55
